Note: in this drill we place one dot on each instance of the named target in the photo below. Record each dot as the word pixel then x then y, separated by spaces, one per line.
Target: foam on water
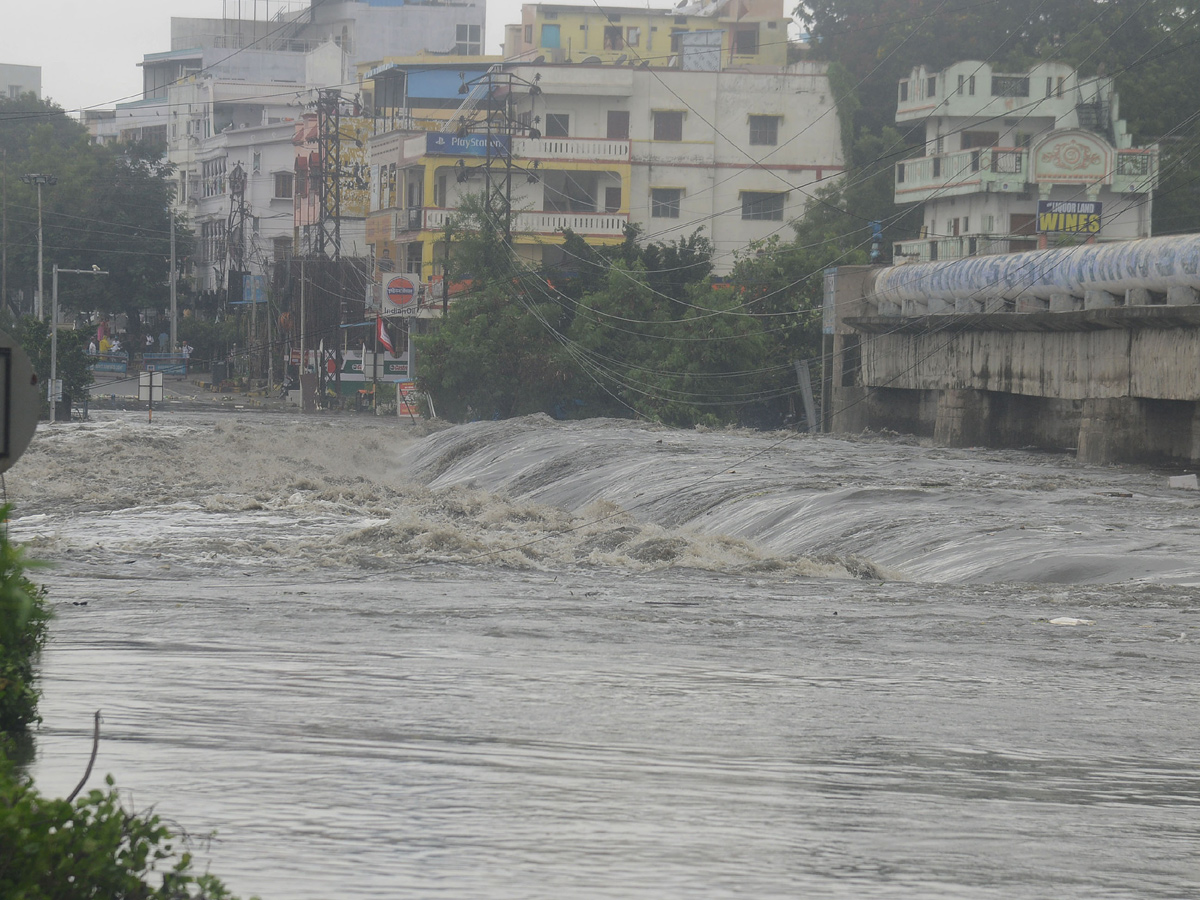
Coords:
pixel 536 494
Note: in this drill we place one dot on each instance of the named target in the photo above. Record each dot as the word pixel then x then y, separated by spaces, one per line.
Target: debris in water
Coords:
pixel 1070 620
pixel 1184 483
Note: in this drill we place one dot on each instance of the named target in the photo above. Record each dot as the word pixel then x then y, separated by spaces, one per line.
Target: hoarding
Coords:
pixel 1069 216
pixel 442 143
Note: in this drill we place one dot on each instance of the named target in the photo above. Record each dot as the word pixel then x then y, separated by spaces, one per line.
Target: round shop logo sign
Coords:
pixel 401 292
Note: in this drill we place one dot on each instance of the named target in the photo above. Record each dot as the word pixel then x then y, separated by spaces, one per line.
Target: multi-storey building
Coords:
pixel 735 152
pixel 17 80
pixel 1016 161
pixel 738 32
pixel 223 76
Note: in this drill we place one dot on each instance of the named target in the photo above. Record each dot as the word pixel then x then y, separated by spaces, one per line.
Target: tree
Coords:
pixel 73 365
pixel 109 208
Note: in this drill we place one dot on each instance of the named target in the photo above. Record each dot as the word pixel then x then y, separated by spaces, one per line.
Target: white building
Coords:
pixel 17 80
pixel 1002 148
pixel 735 152
pixel 265 155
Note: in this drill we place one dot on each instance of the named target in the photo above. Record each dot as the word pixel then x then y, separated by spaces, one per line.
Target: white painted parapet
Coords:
pixel 1163 265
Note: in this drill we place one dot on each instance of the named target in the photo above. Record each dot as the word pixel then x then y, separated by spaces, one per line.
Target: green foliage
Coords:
pixel 109 208
pixel 73 365
pixel 23 622
pixel 1149 47
pixel 92 848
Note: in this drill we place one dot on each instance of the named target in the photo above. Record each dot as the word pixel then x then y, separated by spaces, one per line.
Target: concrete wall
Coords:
pixel 1126 392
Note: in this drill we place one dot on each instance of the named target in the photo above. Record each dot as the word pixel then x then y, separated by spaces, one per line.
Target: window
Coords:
pixel 762 205
pixel 557 124
pixel 668 125
pixel 633 37
pixel 980 139
pixel 283 185
pixel 281 248
pixel 971 86
pixel 1010 86
pixel 904 92
pixel 529 34
pixel 764 130
pixel 1049 86
pixel 961 80
pixel 550 38
pixel 677 38
pixel 746 41
pixel 664 203
pixel 256 164
pixel 931 86
pixel 612 199
pixel 612 37
pixel 618 125
pixel 468 40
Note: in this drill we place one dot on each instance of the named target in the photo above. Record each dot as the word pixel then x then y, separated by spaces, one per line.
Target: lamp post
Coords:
pixel 39 180
pixel 94 270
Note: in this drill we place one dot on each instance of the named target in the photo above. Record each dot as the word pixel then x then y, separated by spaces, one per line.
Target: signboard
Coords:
pixel 253 290
pixel 20 401
pixel 150 387
pixel 401 294
pixel 1069 216
pixel 442 143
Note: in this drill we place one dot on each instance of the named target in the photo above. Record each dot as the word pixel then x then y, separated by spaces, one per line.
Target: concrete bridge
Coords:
pixel 1094 349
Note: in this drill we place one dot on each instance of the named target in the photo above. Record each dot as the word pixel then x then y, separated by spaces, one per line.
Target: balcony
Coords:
pixel 1005 170
pixel 542 222
pixel 1000 169
pixel 951 248
pixel 572 149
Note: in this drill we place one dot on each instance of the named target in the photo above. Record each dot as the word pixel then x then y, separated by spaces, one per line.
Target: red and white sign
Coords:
pixel 400 295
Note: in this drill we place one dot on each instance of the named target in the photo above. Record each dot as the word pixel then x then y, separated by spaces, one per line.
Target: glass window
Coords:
pixel 529 34
pixel 668 125
pixel 762 205
pixel 664 203
pixel 931 86
pixel 633 37
pixel 618 125
pixel 764 130
pixel 904 92
pixel 557 124
pixel 283 185
pixel 468 40
pixel 612 199
pixel 550 38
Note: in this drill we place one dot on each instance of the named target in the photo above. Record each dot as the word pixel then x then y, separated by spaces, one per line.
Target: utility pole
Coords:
pixel 39 180
pixel 50 390
pixel 174 305
pixel 4 232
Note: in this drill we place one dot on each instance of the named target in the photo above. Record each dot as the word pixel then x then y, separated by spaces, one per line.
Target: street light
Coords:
pixel 94 270
pixel 39 180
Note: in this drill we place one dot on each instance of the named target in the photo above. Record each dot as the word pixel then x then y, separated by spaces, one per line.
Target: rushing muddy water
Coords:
pixel 529 659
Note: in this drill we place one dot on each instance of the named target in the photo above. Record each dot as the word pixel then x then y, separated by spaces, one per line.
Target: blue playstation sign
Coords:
pixel 441 143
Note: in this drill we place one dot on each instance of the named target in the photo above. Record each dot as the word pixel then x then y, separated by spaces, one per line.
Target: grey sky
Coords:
pixel 89 50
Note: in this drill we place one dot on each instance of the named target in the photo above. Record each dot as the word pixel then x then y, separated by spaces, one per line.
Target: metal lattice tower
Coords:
pixel 235 228
pixel 329 151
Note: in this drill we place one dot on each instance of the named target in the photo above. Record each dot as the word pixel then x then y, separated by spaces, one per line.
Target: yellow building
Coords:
pixel 749 33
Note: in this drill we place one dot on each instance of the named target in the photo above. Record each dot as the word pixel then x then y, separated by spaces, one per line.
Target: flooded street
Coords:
pixel 530 659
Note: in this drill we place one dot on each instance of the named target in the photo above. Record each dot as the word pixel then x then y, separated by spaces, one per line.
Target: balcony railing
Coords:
pixel 963 171
pixel 1005 169
pixel 949 248
pixel 576 149
pixel 532 222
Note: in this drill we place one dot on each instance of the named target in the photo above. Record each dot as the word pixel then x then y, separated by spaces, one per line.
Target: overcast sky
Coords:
pixel 89 50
